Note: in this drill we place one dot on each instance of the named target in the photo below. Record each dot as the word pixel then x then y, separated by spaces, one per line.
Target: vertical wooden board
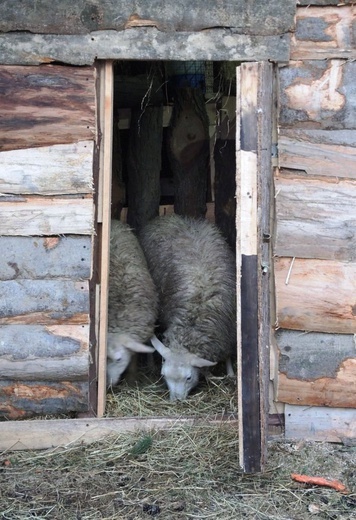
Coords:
pixel 106 89
pixel 324 32
pixel 316 218
pixel 62 349
pixel 320 424
pixel 48 170
pixel 316 295
pixel 44 302
pixel 254 138
pixel 21 399
pixel 20 216
pixel 46 105
pixel 318 94
pixel 45 257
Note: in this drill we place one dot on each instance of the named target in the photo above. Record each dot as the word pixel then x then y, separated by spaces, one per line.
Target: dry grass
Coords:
pixel 175 474
pixel 182 472
pixel 150 397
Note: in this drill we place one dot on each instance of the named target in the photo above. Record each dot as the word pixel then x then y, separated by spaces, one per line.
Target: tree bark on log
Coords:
pixel 189 152
pixel 144 165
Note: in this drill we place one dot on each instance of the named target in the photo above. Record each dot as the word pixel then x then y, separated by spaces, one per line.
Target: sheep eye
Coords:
pixel 189 378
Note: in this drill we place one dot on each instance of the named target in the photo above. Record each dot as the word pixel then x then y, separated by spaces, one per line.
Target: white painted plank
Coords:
pixel 48 170
pixel 46 216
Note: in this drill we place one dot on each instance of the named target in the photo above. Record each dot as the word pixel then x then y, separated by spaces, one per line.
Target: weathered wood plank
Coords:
pixel 106 105
pixel 338 391
pixel 49 170
pixel 318 94
pixel 316 369
pixel 320 424
pixel 44 302
pixel 46 216
pixel 27 398
pixel 324 32
pixel 311 355
pixel 37 353
pixel 51 257
pixel 315 295
pixel 141 44
pixel 346 138
pixel 331 160
pixel 253 178
pixel 167 15
pixel 46 105
pixel 315 217
pixel 324 2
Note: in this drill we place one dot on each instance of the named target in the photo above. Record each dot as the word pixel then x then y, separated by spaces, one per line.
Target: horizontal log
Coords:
pixel 47 105
pixel 331 160
pixel 51 257
pixel 320 424
pixel 19 400
pixel 49 170
pixel 46 216
pixel 168 15
pixel 338 391
pixel 346 138
pixel 315 295
pixel 324 2
pixel 315 218
pixel 44 302
pixel 324 32
pixel 141 44
pixel 312 355
pixel 317 94
pixel 52 353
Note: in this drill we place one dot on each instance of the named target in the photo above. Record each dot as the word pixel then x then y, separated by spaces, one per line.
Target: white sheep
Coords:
pixel 195 274
pixel 133 302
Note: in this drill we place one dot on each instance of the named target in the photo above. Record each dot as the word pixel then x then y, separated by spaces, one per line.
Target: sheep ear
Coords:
pixel 136 346
pixel 199 362
pixel 158 345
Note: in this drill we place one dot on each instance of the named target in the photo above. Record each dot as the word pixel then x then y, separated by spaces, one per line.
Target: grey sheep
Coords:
pixel 195 274
pixel 133 302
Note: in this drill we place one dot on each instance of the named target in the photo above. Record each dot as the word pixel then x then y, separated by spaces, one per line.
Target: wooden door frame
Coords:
pixel 253 181
pixel 254 117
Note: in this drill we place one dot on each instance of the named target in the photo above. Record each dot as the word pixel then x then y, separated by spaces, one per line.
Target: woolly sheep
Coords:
pixel 133 302
pixel 194 272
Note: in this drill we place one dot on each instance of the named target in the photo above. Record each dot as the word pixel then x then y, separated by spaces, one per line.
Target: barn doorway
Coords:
pixel 231 172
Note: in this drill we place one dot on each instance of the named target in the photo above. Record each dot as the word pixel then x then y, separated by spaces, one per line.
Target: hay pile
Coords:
pixel 175 474
pixel 149 396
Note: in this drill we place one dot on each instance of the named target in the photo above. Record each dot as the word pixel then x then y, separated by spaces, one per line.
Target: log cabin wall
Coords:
pixel 48 139
pixel 47 142
pixel 315 195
